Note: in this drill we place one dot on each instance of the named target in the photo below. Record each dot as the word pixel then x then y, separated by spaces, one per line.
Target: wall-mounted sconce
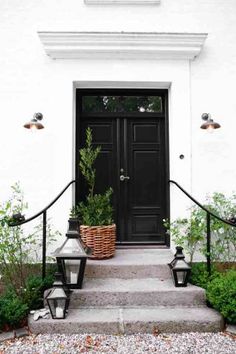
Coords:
pixel 35 122
pixel 209 124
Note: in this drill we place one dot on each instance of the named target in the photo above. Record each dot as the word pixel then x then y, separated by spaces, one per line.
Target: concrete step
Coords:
pixel 131 320
pixel 132 263
pixel 135 292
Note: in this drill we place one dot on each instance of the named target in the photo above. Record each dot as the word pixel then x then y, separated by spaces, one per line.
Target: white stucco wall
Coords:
pixel 30 82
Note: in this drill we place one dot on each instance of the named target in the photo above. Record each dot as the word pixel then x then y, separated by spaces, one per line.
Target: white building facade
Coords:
pixel 50 49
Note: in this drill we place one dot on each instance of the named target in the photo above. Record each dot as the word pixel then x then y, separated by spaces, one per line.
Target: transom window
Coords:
pixel 141 104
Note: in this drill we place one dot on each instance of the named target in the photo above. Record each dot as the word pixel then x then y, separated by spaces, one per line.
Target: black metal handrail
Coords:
pixel 208 222
pixel 44 213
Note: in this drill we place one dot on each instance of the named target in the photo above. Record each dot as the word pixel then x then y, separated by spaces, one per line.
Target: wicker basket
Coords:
pixel 101 239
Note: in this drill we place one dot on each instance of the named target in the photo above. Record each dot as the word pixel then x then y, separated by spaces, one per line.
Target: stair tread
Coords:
pixel 131 320
pixel 133 285
pixel 144 257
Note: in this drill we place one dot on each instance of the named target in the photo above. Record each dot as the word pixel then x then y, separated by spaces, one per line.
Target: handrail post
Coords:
pixel 44 244
pixel 208 243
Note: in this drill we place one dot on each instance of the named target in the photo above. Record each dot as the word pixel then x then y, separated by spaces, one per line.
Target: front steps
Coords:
pixel 135 292
pixel 132 320
pixel 132 263
pixel 132 293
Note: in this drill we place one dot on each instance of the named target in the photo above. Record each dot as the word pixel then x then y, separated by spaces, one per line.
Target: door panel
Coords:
pixel 104 135
pixel 133 146
pixel 145 198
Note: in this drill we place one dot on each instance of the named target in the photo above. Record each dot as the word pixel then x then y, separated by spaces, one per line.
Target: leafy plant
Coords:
pixel 12 240
pixel 190 233
pixel 12 309
pixel 223 235
pixel 32 294
pixel 199 274
pixel 17 249
pixel 96 209
pixel 34 250
pixel 221 293
pixel 74 211
pixel 88 155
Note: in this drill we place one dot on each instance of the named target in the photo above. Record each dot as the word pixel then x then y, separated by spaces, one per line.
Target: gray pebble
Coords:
pixel 187 343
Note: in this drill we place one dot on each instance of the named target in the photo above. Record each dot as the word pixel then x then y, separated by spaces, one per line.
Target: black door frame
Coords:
pixel 80 92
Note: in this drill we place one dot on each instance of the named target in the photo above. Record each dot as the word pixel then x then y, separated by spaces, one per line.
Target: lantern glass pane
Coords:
pixel 57 307
pixel 72 271
pixel 57 293
pixel 72 246
pixel 181 276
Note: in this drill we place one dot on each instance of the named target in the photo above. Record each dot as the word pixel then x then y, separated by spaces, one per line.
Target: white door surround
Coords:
pixel 137 60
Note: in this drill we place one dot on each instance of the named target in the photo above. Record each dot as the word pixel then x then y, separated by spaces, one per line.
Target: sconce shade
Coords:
pixel 34 123
pixel 210 124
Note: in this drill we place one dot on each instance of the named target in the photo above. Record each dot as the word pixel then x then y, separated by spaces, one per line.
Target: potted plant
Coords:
pixel 97 228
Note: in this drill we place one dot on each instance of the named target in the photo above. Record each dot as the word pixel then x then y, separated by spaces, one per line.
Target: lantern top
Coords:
pixel 180 264
pixel 179 252
pixel 57 293
pixel 71 248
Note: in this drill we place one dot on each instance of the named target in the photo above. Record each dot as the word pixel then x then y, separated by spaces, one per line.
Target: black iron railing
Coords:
pixel 209 214
pixel 44 213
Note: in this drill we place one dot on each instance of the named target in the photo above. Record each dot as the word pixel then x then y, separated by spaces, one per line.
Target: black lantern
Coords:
pixel 35 122
pixel 180 269
pixel 71 257
pixel 57 299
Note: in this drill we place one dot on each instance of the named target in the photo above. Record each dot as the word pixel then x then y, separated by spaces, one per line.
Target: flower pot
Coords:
pixel 101 239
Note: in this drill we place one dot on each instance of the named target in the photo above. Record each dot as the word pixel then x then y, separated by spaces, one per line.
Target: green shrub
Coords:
pixel 199 274
pixel 32 294
pixel 221 293
pixel 13 311
pixel 18 251
pixel 190 233
pixel 96 210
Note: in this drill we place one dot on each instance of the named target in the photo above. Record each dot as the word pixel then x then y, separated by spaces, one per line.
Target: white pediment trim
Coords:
pixel 122 2
pixel 122 45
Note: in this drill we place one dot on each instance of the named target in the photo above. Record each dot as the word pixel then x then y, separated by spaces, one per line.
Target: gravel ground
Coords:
pixel 187 343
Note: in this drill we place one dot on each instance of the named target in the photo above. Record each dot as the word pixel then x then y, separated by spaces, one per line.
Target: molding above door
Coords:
pixel 122 2
pixel 122 45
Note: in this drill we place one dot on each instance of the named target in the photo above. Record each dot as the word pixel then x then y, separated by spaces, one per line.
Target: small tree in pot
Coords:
pixel 97 229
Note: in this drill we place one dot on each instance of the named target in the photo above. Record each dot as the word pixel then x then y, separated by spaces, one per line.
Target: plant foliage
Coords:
pixel 88 156
pixel 13 310
pixel 32 294
pixel 18 249
pixel 200 276
pixel 221 293
pixel 190 233
pixel 97 209
pixel 14 307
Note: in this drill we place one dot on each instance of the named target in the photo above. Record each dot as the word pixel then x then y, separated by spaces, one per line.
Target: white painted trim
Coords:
pixel 122 2
pixel 121 85
pixel 122 45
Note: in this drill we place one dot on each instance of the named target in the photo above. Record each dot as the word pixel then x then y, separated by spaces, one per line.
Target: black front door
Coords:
pixel 130 126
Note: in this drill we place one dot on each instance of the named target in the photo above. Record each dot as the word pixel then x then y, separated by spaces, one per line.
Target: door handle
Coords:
pixel 123 178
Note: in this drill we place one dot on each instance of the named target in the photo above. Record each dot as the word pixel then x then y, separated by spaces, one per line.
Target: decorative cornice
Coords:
pixel 122 45
pixel 122 2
